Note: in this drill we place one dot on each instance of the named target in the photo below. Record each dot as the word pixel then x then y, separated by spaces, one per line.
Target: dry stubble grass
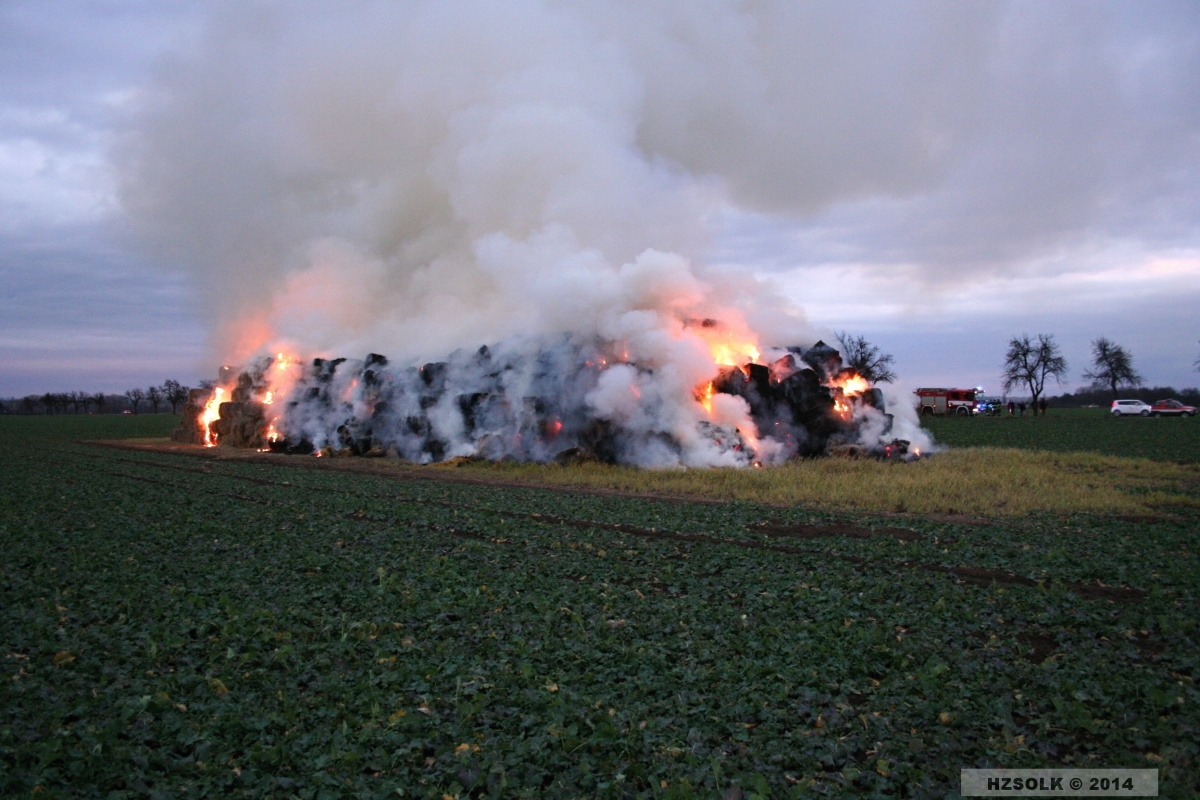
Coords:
pixel 982 481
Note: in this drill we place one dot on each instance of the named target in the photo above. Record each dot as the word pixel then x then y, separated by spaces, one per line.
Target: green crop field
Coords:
pixel 1077 430
pixel 179 623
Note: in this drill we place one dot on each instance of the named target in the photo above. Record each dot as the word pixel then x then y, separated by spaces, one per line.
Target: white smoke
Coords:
pixel 409 178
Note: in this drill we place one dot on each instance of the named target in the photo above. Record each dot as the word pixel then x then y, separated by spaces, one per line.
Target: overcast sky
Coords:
pixel 182 182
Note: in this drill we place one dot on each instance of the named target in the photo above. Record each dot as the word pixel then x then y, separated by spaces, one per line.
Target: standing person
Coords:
pixel 1042 404
pixel 1011 408
pixel 1021 407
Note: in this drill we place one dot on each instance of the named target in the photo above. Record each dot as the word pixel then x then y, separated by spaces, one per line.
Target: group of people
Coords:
pixel 1013 408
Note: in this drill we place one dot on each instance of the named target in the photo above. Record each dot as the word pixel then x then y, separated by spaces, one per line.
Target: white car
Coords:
pixel 1122 408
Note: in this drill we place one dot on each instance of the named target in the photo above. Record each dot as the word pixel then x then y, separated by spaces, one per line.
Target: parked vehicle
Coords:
pixel 1175 408
pixel 1122 408
pixel 947 401
pixel 989 407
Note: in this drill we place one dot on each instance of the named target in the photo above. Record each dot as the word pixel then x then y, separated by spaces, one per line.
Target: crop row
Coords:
pixel 199 627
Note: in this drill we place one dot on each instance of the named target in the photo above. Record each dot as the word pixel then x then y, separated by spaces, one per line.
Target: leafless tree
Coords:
pixel 154 396
pixel 865 358
pixel 135 397
pixel 1113 366
pixel 174 393
pixel 1029 363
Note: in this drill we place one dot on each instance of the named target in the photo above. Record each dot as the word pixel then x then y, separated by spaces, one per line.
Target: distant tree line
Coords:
pixel 1030 362
pixel 169 394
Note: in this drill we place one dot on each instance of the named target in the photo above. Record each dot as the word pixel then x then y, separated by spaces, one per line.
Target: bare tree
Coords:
pixel 1113 366
pixel 174 393
pixel 56 402
pixel 135 397
pixel 99 400
pixel 154 396
pixel 865 358
pixel 1029 363
pixel 29 403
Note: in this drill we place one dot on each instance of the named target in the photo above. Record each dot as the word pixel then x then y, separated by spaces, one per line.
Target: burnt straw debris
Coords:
pixel 566 400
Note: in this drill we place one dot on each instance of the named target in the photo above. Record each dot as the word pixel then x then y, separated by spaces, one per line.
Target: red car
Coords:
pixel 1168 407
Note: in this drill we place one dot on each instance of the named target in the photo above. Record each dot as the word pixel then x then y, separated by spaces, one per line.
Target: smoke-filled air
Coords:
pixel 440 229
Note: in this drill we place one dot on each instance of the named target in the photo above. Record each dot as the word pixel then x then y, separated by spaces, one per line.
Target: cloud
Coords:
pixel 924 155
pixel 1076 126
pixel 80 314
pixel 955 136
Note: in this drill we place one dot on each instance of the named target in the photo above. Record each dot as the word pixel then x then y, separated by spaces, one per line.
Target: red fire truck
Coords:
pixel 948 401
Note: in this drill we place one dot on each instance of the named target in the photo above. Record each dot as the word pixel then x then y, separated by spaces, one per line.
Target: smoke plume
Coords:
pixel 418 178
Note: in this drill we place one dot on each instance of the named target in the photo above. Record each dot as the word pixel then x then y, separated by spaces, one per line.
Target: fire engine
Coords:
pixel 948 401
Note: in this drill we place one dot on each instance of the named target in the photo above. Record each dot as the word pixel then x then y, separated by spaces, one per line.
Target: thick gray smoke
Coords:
pixel 411 178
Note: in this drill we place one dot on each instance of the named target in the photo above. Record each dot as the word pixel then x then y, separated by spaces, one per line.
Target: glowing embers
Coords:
pixel 271 435
pixel 894 450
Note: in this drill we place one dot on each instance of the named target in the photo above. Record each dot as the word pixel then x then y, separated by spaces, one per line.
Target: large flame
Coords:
pixel 211 413
pixel 846 386
pixel 730 346
pixel 279 378
pixel 852 384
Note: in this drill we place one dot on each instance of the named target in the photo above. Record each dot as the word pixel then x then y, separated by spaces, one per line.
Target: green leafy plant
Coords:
pixel 192 625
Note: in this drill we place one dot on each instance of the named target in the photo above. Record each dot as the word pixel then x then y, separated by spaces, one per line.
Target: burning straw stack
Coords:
pixel 532 404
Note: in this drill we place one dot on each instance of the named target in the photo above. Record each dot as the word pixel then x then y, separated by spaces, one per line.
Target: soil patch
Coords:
pixel 788 531
pixel 1040 646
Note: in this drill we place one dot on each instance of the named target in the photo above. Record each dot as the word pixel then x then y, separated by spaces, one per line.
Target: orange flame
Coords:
pixel 271 436
pixel 728 346
pixel 853 384
pixel 279 378
pixel 211 413
pixel 705 397
pixel 848 385
pixel 733 354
